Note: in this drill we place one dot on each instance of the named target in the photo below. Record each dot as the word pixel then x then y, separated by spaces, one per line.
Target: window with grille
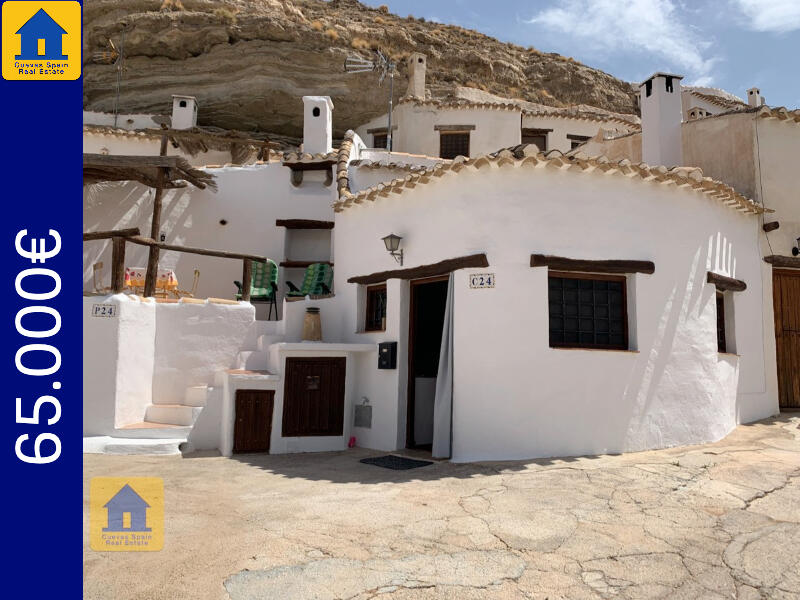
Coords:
pixel 588 311
pixel 379 140
pixel 722 345
pixel 452 144
pixel 376 308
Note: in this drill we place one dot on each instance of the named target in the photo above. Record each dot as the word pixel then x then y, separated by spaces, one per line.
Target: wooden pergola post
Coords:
pixel 247 272
pixel 155 227
pixel 117 264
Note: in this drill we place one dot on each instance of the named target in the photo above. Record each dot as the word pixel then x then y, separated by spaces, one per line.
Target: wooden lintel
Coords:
pixel 771 226
pixel 788 262
pixel 302 264
pixel 303 224
pixel 726 284
pixel 453 128
pixel 560 263
pixel 104 235
pixel 440 268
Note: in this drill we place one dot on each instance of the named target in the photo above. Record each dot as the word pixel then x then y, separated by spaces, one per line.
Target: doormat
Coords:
pixel 396 463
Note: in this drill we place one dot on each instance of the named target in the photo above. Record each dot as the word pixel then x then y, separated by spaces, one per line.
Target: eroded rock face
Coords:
pixel 249 62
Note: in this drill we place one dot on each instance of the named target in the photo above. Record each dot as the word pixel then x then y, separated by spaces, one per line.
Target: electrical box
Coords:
pixel 387 355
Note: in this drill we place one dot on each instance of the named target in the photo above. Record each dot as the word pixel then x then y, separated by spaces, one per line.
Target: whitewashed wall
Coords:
pixel 127 121
pixel 249 198
pixel 139 145
pixel 515 397
pixel 779 168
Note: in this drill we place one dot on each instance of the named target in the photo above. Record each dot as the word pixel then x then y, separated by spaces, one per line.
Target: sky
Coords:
pixel 729 44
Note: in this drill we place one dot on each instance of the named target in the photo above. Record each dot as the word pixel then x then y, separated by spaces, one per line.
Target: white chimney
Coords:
pixel 661 119
pixel 416 75
pixel 754 97
pixel 184 112
pixel 317 124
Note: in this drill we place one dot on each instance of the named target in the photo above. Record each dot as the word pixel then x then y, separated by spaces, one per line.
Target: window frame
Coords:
pixel 529 132
pixel 380 134
pixel 370 292
pixel 444 134
pixel 577 140
pixel 623 279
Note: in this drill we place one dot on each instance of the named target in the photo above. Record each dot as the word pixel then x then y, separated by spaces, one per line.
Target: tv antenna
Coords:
pixel 114 56
pixel 383 65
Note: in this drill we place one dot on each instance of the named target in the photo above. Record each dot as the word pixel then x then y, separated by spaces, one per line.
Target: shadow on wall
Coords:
pixel 686 302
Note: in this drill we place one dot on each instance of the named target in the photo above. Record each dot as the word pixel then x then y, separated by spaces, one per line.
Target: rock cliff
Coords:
pixel 249 62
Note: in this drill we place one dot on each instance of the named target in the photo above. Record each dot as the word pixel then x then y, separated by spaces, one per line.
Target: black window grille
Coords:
pixel 376 308
pixel 379 140
pixel 588 311
pixel 453 144
pixel 722 345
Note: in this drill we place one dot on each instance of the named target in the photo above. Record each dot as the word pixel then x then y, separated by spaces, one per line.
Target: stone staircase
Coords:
pixel 259 359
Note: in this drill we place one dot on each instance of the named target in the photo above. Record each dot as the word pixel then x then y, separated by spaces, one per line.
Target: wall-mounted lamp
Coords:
pixel 795 250
pixel 392 243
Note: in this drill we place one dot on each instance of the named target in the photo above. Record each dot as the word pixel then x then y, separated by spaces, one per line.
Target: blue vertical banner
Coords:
pixel 42 272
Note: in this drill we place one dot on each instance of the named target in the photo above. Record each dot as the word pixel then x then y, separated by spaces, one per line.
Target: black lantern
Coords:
pixel 392 243
pixel 795 250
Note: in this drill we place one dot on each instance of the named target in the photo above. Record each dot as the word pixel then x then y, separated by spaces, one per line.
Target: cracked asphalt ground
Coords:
pixel 715 521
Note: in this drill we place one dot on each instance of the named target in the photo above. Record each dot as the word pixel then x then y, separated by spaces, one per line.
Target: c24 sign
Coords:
pixel 481 280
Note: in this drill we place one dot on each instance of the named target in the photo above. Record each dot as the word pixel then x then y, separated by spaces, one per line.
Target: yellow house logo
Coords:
pixel 126 514
pixel 41 40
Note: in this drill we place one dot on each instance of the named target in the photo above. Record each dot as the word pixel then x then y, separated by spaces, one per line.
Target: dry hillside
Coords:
pixel 250 61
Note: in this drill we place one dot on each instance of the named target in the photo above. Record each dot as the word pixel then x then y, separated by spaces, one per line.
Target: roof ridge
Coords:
pixel 529 155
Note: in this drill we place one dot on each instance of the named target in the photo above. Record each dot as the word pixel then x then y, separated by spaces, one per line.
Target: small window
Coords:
pixel 588 311
pixel 182 103
pixel 376 308
pixel 315 111
pixel 380 140
pixel 537 137
pixel 722 345
pixel 452 144
pixel 577 140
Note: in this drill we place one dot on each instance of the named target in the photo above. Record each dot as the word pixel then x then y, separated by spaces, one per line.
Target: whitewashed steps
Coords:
pixel 196 395
pixel 172 414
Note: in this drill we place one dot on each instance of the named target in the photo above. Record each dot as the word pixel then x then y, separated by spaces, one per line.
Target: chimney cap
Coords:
pixel 660 74
pixel 182 96
pixel 316 99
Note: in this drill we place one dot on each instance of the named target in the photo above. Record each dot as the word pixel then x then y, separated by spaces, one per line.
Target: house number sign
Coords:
pixel 481 280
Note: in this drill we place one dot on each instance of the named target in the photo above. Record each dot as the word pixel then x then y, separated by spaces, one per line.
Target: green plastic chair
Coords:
pixel 317 282
pixel 263 285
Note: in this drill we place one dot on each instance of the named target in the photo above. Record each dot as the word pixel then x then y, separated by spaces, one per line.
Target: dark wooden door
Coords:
pixel 313 396
pixel 253 420
pixel 786 297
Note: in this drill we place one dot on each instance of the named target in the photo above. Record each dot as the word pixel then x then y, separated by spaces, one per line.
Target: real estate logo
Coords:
pixel 126 514
pixel 41 40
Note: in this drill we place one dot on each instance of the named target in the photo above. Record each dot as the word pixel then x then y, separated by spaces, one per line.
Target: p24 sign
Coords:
pixel 481 280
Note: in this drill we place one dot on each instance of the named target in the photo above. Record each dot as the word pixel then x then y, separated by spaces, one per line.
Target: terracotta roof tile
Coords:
pixel 528 155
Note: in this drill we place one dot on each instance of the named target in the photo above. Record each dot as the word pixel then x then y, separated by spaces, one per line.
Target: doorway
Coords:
pixel 253 420
pixel 426 321
pixel 786 304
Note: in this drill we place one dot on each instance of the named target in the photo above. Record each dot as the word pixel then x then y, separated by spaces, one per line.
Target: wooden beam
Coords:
pixel 559 263
pixel 117 264
pixel 771 226
pixel 453 128
pixel 440 268
pixel 143 241
pixel 302 264
pixel 247 271
pixel 104 235
pixel 789 262
pixel 303 224
pixel 726 284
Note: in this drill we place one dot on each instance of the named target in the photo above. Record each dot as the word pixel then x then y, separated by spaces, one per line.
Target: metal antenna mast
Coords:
pixel 117 58
pixel 386 66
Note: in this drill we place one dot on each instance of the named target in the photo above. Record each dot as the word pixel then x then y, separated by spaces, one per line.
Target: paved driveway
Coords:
pixel 714 521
